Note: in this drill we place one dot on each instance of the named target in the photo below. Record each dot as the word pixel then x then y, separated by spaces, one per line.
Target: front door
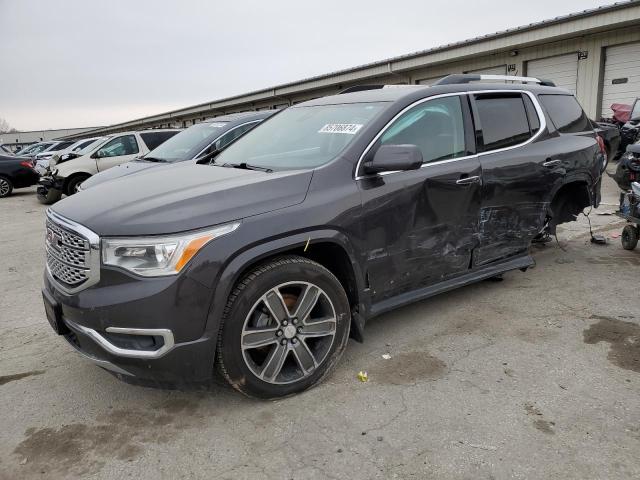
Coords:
pixel 421 226
pixel 119 150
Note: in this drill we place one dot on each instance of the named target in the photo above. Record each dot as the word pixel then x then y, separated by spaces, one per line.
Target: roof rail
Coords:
pixel 473 77
pixel 361 88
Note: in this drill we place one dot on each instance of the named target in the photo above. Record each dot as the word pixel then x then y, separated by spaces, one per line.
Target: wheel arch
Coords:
pixel 569 199
pixel 67 180
pixel 330 248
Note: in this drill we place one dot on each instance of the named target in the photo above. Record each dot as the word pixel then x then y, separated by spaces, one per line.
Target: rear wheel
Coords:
pixel 629 237
pixel 6 187
pixel 284 328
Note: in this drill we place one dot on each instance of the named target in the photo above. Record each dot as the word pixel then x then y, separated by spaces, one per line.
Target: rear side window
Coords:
pixel 230 136
pixel 155 139
pixel 503 120
pixel 566 113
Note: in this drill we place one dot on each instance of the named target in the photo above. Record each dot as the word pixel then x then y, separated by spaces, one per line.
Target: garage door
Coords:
pixel 499 70
pixel 621 76
pixel 430 81
pixel 561 69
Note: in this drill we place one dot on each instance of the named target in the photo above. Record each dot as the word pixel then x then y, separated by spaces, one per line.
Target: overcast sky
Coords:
pixel 74 63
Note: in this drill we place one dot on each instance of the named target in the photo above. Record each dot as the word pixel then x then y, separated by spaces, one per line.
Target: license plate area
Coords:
pixel 54 314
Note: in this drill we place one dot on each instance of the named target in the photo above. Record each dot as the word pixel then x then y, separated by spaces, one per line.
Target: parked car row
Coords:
pixel 260 258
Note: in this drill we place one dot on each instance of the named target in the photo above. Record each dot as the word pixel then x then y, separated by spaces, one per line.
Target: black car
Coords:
pixel 16 172
pixel 195 143
pixel 610 134
pixel 262 262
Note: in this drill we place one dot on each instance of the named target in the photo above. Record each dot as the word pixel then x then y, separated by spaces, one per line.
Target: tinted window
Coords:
pixel 566 113
pixel 532 115
pixel 436 127
pixel 503 120
pixel 63 145
pixel 125 145
pixel 155 139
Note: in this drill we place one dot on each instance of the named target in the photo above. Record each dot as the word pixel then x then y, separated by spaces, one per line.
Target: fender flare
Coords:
pixel 242 260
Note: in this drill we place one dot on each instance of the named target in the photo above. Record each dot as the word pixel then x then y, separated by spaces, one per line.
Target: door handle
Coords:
pixel 468 180
pixel 551 163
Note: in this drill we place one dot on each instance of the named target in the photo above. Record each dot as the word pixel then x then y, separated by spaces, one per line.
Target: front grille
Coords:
pixel 69 255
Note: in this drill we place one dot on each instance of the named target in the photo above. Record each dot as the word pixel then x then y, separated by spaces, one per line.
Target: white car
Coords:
pixel 69 171
pixel 43 158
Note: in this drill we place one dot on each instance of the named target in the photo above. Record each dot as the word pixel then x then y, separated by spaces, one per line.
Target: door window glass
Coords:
pixel 125 145
pixel 503 120
pixel 230 136
pixel 155 139
pixel 436 127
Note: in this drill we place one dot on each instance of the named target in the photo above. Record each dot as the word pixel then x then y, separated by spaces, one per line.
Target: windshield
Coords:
pixel 188 143
pixel 301 137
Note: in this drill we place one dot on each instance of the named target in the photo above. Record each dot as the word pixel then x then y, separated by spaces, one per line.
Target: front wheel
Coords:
pixel 284 328
pixel 74 183
pixel 48 196
pixel 629 237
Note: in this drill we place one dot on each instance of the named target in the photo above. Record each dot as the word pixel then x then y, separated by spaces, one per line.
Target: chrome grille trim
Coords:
pixel 72 254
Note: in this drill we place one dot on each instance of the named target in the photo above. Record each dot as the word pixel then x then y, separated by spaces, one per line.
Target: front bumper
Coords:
pixel 105 327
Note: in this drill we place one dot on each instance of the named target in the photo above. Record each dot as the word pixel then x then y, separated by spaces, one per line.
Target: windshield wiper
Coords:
pixel 153 159
pixel 246 166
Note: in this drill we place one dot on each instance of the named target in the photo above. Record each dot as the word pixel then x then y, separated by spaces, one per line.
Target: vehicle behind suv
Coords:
pixel 42 159
pixel 199 142
pixel 65 177
pixel 262 262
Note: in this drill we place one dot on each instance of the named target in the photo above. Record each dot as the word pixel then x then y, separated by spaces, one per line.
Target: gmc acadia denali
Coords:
pixel 263 261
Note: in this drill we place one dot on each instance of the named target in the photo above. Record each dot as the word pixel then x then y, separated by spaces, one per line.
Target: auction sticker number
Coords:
pixel 348 128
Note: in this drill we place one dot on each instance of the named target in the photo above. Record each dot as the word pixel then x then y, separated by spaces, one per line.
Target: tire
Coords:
pixel 629 237
pixel 48 196
pixel 251 340
pixel 72 186
pixel 6 187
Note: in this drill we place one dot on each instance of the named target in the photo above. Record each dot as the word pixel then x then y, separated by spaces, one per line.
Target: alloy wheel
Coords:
pixel 288 332
pixel 5 187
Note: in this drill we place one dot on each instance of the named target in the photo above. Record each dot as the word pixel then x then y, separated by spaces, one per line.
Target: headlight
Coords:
pixel 159 256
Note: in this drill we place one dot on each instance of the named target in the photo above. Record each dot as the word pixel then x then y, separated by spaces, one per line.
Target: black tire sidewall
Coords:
pixel 10 186
pixel 75 181
pixel 279 271
pixel 52 196
pixel 629 237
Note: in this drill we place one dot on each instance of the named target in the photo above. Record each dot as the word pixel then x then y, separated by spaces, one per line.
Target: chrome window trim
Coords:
pixel 222 135
pixel 93 274
pixel 541 117
pixel 167 336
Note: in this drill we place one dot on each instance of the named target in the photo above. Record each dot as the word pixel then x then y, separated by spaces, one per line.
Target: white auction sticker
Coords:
pixel 348 128
pixel 217 125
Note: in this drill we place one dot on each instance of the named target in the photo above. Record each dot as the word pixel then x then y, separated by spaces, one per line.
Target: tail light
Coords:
pixel 603 148
pixel 28 163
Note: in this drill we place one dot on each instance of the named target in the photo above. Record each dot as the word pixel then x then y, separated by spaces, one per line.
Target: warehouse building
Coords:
pixel 594 54
pixel 17 140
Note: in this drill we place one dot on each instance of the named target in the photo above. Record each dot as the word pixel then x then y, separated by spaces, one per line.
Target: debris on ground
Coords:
pixel 362 376
pixel 386 356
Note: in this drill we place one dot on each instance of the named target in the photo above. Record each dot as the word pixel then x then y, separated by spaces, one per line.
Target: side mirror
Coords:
pixel 98 154
pixel 391 158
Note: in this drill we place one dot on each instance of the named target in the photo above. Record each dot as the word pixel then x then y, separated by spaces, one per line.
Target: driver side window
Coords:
pixel 125 145
pixel 436 127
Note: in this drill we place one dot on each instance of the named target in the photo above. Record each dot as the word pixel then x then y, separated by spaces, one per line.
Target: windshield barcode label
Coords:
pixel 349 128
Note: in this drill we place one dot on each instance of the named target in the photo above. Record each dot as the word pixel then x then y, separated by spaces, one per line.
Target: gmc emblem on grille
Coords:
pixel 53 239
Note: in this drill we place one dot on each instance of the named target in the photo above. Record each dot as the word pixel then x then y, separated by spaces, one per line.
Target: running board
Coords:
pixel 451 284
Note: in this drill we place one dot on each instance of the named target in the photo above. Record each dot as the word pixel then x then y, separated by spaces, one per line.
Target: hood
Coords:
pixel 182 197
pixel 118 171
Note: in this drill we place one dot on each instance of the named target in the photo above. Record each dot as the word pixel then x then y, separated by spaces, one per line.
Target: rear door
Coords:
pixel 120 149
pixel 421 226
pixel 519 172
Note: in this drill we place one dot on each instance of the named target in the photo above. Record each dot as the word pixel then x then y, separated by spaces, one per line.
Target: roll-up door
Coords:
pixel 561 69
pixel 621 76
